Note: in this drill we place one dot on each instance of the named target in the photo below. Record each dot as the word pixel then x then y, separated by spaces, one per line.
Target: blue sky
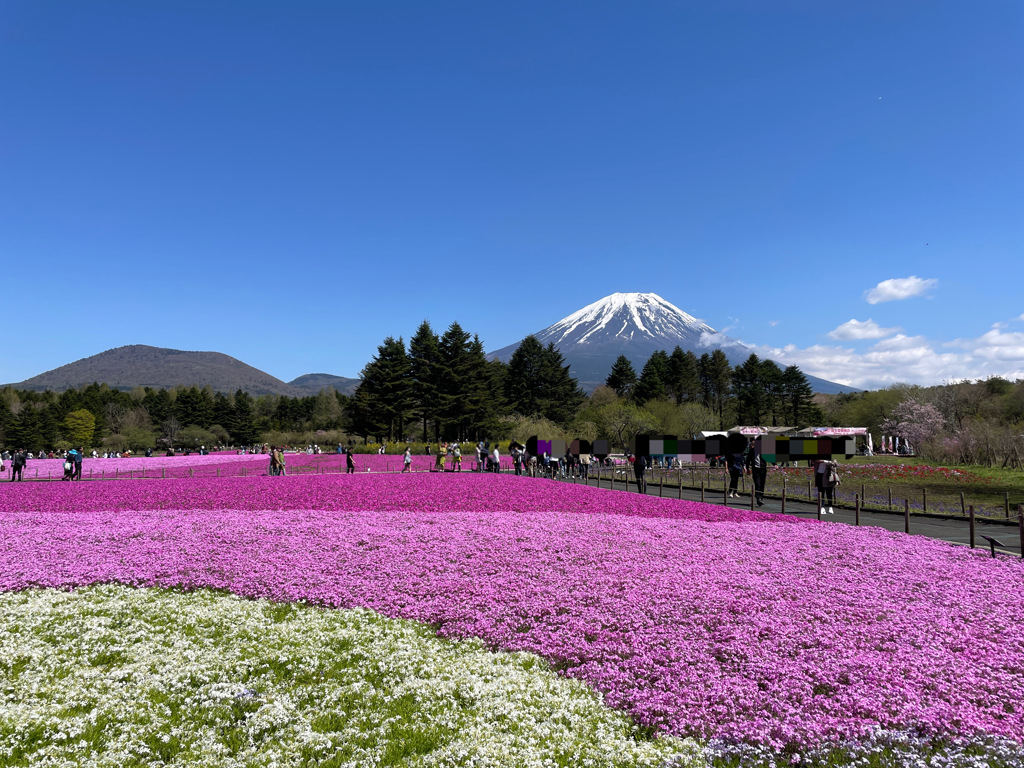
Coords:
pixel 291 183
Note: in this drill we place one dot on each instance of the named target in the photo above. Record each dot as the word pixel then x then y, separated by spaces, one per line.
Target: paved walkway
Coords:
pixel 951 529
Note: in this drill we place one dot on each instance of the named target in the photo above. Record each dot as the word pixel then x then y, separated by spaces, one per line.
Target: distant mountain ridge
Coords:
pixel 314 382
pixel 138 365
pixel 637 325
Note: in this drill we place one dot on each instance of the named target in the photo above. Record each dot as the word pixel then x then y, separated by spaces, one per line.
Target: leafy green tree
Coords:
pixel 622 378
pixel 327 411
pixel 79 427
pixel 621 421
pixel 193 437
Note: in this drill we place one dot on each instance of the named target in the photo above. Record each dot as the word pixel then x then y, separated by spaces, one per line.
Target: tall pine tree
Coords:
pixel 622 378
pixel 426 368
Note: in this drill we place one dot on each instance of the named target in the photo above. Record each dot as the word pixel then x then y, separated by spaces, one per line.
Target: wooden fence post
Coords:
pixel 970 519
pixel 1020 528
pixel 963 508
pixel 1006 504
pixel 783 495
pixel 890 497
pixel 856 517
pixel 924 499
pixel 819 506
pixel 906 515
pixel 701 491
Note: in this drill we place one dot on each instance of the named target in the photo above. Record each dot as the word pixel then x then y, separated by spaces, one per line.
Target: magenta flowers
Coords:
pixel 697 619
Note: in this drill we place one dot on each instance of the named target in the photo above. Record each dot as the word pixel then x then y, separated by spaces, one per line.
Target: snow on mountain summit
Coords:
pixel 626 317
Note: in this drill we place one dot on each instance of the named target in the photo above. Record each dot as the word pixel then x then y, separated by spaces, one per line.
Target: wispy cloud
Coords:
pixel 856 329
pixel 910 359
pixel 899 288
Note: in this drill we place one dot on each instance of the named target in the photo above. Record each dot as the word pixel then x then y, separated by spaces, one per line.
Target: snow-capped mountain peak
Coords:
pixel 626 317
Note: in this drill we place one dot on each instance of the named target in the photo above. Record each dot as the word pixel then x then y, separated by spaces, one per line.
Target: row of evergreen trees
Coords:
pixel 436 388
pixel 449 390
pixel 181 417
pixel 757 392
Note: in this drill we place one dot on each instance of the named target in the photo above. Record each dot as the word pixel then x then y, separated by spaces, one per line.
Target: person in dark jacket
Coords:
pixel 735 464
pixel 79 456
pixel 758 469
pixel 350 464
pixel 640 470
pixel 18 462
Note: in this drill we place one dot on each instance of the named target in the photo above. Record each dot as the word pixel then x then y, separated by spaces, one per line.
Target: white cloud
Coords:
pixel 855 329
pixel 773 323
pixel 910 359
pixel 899 288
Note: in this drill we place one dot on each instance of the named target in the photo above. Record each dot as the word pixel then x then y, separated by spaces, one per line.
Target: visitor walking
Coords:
pixel 758 469
pixel 18 462
pixel 497 459
pixel 79 456
pixel 407 460
pixel 735 464
pixel 350 464
pixel 640 471
pixel 457 458
pixel 826 477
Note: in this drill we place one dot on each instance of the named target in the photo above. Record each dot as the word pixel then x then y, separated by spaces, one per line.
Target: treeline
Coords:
pixel 957 422
pixel 757 392
pixel 438 387
pixel 96 416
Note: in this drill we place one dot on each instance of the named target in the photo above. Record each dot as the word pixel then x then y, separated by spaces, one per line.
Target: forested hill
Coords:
pixel 139 365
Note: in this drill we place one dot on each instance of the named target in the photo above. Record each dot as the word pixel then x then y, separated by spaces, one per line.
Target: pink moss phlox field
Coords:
pixel 696 619
pixel 229 464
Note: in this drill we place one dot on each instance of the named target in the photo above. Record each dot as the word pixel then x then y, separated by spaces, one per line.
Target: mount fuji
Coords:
pixel 636 325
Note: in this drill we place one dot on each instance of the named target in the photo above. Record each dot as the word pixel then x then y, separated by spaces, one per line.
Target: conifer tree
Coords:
pixel 243 423
pixel 456 381
pixel 683 379
pixel 654 378
pixel 622 378
pixel 425 367
pixel 796 391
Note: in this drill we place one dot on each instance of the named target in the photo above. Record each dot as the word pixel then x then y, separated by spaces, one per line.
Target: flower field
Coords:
pixel 768 640
pixel 228 465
